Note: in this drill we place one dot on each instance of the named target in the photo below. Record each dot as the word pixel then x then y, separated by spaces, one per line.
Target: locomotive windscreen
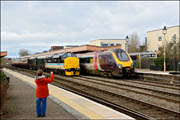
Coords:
pixel 121 54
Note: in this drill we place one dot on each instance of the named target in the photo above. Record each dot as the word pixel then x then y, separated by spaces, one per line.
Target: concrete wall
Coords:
pixel 152 37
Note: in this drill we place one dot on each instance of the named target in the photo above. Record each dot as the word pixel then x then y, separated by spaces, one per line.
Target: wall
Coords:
pixel 109 42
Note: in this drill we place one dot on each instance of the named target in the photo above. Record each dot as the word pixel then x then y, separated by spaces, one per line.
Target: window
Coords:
pixel 159 38
pixel 86 60
pixel 55 60
pixel 104 44
pixel 112 44
pixel 49 60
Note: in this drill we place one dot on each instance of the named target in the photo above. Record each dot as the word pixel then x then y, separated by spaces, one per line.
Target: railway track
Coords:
pixel 119 96
pixel 171 80
pixel 134 107
pixel 166 91
pixel 160 98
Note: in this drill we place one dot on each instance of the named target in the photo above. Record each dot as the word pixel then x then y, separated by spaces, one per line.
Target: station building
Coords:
pixel 155 38
pixel 109 42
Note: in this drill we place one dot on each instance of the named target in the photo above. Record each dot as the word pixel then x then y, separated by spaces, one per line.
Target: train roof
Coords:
pixel 90 54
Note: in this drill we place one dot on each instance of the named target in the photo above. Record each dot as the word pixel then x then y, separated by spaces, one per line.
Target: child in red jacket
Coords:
pixel 42 92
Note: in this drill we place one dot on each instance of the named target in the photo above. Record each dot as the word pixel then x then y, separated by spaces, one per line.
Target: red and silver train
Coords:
pixel 113 62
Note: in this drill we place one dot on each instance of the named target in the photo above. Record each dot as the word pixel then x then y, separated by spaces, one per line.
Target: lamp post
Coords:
pixel 127 40
pixel 164 44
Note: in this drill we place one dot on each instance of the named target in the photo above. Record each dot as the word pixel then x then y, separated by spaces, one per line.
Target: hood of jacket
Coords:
pixel 39 77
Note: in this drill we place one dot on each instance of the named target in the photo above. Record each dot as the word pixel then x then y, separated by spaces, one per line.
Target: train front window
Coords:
pixel 122 56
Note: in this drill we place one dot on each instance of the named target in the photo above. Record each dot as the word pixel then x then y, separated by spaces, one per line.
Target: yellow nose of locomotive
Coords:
pixel 71 65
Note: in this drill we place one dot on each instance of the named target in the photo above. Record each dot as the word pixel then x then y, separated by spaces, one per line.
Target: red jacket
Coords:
pixel 42 86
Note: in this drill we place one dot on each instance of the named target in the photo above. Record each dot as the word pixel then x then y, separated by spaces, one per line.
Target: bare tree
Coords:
pixel 23 52
pixel 133 42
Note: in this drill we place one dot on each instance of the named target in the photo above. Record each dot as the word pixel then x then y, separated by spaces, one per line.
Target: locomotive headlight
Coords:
pixel 120 66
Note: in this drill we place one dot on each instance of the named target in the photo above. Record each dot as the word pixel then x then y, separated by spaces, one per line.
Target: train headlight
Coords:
pixel 120 66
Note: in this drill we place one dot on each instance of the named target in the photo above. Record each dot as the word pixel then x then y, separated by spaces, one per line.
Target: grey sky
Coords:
pixel 38 25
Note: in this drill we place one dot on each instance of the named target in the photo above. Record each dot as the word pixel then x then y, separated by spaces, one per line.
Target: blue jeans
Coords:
pixel 41 106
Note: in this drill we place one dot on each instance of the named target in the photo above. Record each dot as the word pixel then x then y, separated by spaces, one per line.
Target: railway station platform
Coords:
pixel 61 104
pixel 151 71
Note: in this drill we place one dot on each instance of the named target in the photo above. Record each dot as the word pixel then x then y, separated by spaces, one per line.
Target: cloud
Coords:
pixel 37 25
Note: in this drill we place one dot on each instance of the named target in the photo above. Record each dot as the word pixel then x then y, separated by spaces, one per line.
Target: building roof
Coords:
pixel 162 28
pixel 3 53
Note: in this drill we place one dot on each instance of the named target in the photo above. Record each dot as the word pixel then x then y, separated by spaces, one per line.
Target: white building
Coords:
pixel 155 38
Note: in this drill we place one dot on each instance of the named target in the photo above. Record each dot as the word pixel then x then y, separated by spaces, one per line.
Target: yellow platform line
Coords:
pixel 89 114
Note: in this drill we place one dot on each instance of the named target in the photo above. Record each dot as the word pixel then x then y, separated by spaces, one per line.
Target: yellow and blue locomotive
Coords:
pixel 64 63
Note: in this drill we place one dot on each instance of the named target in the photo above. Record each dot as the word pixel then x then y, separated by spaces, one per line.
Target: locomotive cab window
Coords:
pixel 49 60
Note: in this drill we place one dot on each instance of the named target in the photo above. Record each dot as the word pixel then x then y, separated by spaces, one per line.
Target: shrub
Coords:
pixel 4 80
pixel 159 61
pixel 4 86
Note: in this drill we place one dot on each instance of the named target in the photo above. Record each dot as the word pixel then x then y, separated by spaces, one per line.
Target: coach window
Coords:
pixel 55 60
pixel 87 60
pixel 49 60
pixel 83 60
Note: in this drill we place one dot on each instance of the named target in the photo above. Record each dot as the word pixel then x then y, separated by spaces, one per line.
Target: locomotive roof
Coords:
pixel 58 55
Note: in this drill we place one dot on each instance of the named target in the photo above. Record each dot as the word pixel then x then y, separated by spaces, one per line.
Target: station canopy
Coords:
pixel 3 53
pixel 75 50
